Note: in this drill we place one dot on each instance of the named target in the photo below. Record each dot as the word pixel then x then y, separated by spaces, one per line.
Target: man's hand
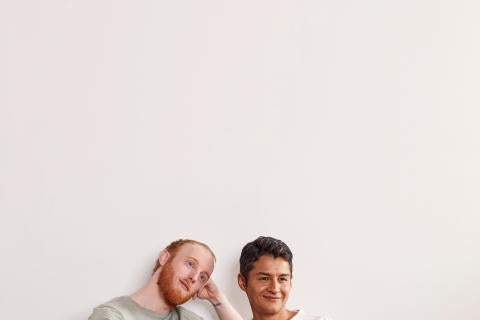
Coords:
pixel 210 292
pixel 222 306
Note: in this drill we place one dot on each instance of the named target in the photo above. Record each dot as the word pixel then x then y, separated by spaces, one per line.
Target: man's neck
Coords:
pixel 150 298
pixel 282 315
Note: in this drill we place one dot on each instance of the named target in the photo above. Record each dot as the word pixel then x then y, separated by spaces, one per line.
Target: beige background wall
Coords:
pixel 349 129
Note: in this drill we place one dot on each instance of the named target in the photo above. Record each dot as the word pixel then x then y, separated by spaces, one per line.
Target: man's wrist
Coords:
pixel 217 300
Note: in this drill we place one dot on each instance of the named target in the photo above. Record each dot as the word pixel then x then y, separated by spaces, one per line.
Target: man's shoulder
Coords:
pixel 301 315
pixel 109 310
pixel 186 314
pixel 123 308
pixel 118 303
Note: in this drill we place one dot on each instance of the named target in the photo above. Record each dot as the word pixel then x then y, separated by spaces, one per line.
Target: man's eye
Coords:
pixel 189 263
pixel 283 279
pixel 263 278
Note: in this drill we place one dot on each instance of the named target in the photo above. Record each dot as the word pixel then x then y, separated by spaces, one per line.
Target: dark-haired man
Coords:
pixel 266 277
pixel 182 271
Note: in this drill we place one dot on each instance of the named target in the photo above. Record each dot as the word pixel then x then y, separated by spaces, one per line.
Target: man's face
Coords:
pixel 268 286
pixel 184 273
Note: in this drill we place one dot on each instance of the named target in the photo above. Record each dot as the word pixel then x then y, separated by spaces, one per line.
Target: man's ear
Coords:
pixel 242 282
pixel 163 257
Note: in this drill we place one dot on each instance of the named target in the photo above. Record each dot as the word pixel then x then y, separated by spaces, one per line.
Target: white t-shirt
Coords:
pixel 302 316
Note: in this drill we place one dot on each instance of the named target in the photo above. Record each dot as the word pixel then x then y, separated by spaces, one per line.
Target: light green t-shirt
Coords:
pixel 124 308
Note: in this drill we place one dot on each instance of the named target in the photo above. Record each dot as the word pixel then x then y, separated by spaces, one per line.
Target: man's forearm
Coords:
pixel 224 309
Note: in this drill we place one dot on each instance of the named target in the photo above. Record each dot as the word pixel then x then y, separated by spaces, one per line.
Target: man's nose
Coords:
pixel 274 286
pixel 193 277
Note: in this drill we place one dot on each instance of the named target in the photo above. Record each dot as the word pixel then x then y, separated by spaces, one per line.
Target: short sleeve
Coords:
pixel 105 313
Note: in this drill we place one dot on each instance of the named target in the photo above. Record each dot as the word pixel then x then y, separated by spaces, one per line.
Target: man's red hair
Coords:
pixel 173 247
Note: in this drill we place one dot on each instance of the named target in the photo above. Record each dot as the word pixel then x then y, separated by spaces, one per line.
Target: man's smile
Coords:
pixel 272 298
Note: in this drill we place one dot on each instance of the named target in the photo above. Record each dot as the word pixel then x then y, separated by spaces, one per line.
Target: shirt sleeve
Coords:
pixel 105 313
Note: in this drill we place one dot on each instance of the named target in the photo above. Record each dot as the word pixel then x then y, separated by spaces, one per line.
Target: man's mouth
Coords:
pixel 273 298
pixel 185 285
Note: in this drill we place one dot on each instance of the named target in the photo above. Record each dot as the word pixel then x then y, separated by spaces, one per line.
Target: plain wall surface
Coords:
pixel 348 129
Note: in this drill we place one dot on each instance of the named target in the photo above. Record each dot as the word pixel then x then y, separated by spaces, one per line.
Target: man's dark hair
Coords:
pixel 263 246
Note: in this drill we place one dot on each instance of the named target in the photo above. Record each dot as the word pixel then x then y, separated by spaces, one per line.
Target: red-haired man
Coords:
pixel 182 272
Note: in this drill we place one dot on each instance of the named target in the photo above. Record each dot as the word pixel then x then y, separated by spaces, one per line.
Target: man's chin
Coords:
pixel 177 299
pixel 271 310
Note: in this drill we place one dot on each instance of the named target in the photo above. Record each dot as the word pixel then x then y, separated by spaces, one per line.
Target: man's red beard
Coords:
pixel 169 288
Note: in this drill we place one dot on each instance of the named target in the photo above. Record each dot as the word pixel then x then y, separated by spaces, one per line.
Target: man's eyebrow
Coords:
pixel 190 257
pixel 269 274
